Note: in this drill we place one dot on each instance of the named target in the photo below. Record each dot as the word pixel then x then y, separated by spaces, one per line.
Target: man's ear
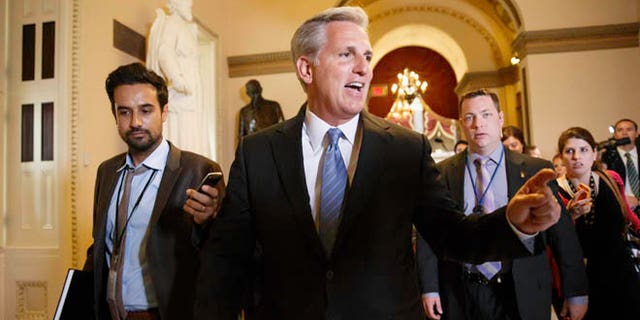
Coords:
pixel 165 112
pixel 304 67
pixel 113 112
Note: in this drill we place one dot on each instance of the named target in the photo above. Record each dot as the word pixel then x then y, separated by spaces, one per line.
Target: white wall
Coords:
pixel 553 14
pixel 591 89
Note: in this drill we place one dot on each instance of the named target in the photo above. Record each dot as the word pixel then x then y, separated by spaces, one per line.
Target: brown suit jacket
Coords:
pixel 171 246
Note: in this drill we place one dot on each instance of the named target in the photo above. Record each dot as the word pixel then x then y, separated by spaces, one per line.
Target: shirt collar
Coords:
pixel 622 153
pixel 156 160
pixel 494 156
pixel 317 128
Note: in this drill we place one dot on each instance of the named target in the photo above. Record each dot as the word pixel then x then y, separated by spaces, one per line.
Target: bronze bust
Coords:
pixel 259 113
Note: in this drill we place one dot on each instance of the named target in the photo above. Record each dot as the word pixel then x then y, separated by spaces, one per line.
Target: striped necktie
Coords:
pixel 632 174
pixel 114 285
pixel 491 268
pixel 334 184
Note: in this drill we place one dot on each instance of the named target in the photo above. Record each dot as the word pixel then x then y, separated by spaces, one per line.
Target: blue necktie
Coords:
pixel 491 268
pixel 334 184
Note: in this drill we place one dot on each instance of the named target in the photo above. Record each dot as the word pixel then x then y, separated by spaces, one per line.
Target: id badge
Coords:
pixel 113 278
pixel 478 209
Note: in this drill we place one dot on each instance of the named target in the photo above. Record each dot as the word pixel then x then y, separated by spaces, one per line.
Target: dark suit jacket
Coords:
pixel 531 275
pixel 371 272
pixel 617 164
pixel 171 251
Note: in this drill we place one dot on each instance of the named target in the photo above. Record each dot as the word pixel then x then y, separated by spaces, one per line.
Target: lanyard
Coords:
pixel 486 188
pixel 118 238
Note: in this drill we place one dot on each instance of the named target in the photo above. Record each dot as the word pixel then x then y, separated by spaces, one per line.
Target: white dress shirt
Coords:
pixel 634 158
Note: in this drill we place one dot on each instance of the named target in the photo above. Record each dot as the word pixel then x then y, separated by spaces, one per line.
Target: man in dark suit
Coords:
pixel 144 257
pixel 624 159
pixel 330 196
pixel 520 288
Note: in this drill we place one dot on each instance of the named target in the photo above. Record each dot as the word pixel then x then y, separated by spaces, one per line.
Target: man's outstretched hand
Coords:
pixel 534 208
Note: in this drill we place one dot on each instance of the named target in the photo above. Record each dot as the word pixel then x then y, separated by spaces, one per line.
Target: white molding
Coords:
pixel 498 55
pixel 259 64
pixel 211 43
pixel 22 300
pixel 4 35
pixel 74 126
pixel 3 279
pixel 612 36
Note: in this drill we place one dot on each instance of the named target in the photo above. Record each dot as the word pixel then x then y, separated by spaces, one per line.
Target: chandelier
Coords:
pixel 406 110
pixel 411 111
pixel 408 84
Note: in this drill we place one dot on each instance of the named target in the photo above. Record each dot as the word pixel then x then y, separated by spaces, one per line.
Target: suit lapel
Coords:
pixel 370 164
pixel 455 177
pixel 516 171
pixel 287 154
pixel 618 166
pixel 169 177
pixel 109 177
pixel 638 157
pixel 105 186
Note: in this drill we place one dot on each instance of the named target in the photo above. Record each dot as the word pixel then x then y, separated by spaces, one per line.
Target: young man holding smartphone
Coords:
pixel 146 216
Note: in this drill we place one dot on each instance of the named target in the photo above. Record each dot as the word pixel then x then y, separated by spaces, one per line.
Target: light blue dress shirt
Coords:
pixel 137 287
pixel 498 186
pixel 500 190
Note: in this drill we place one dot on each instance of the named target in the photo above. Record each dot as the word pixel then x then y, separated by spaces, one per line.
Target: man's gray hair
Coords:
pixel 311 35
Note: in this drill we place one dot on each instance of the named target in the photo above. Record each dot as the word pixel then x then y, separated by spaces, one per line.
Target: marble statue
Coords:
pixel 173 53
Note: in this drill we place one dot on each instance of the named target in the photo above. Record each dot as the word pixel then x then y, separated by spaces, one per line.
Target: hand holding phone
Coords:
pixel 202 205
pixel 211 179
pixel 587 192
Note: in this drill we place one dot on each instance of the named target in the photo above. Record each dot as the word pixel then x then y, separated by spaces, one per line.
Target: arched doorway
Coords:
pixel 434 110
pixel 430 65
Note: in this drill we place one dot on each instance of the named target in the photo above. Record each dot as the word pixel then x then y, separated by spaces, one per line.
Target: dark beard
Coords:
pixel 141 146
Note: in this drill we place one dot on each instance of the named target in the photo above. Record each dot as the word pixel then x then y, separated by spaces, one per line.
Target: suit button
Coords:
pixel 329 275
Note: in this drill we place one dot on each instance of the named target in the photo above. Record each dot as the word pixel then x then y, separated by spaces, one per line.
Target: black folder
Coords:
pixel 76 299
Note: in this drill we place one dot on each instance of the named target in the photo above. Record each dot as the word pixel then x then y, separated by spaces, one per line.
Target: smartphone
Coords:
pixel 211 179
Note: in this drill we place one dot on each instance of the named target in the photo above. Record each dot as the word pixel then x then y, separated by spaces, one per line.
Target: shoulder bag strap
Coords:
pixel 616 191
